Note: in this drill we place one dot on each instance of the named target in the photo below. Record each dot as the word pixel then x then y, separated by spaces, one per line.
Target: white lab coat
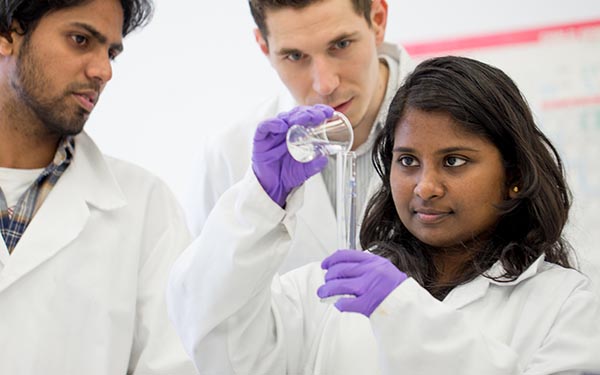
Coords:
pixel 83 291
pixel 236 315
pixel 223 161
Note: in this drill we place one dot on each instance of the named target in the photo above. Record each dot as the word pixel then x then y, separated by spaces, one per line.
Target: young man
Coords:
pixel 87 240
pixel 325 51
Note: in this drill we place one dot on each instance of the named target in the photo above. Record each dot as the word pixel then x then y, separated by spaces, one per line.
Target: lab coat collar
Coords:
pixel 95 182
pixel 497 271
pixel 64 214
pixel 392 50
pixel 472 291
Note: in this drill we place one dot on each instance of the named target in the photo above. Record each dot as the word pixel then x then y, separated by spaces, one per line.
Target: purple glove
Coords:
pixel 367 276
pixel 274 167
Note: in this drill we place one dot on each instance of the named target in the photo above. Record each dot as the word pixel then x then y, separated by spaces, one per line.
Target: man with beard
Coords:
pixel 87 240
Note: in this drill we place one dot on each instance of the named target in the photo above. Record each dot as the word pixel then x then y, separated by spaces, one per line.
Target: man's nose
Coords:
pixel 99 68
pixel 325 78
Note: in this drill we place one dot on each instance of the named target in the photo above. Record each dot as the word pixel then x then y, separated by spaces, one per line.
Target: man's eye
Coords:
pixel 79 39
pixel 455 161
pixel 112 54
pixel 343 44
pixel 296 56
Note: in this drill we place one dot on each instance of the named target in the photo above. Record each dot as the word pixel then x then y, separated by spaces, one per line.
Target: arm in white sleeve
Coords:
pixel 225 298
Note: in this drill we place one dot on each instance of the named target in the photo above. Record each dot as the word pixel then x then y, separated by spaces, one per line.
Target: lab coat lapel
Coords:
pixel 318 214
pixel 65 212
pixel 3 255
pixel 59 220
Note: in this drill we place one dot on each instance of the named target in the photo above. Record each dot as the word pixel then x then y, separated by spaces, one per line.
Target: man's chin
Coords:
pixel 66 130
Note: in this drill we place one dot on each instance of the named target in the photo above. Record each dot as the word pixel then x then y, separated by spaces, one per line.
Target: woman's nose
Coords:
pixel 429 185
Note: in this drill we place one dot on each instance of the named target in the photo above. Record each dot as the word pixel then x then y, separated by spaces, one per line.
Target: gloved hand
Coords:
pixel 367 276
pixel 274 167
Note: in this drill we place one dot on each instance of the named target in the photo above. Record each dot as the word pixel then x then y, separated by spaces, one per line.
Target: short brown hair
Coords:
pixel 258 9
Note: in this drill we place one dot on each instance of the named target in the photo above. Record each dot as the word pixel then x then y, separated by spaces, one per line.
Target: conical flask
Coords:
pixel 305 143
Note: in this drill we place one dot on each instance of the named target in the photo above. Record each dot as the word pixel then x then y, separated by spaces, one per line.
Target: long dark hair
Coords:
pixel 27 13
pixel 486 102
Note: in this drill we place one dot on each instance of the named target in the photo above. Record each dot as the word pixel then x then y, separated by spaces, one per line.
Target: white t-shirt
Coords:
pixel 14 182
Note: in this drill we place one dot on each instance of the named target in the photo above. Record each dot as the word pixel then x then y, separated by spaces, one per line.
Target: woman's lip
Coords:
pixel 431 217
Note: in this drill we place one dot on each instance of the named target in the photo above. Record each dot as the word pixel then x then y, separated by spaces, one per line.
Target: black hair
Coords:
pixel 484 101
pixel 27 13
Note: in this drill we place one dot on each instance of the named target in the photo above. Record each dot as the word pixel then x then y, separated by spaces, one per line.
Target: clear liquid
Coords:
pixel 307 150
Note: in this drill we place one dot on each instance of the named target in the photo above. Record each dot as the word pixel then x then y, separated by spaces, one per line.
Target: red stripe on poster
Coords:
pixel 571 102
pixel 497 39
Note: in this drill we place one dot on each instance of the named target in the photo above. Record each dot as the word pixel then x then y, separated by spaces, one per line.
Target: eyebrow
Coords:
pixel 446 150
pixel 288 51
pixel 98 35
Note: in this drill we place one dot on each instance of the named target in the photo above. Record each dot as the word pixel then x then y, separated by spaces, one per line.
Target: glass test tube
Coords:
pixel 346 199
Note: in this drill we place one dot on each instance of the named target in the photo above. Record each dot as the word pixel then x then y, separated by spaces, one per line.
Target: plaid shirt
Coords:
pixel 13 224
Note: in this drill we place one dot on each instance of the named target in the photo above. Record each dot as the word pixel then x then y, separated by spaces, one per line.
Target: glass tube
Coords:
pixel 346 199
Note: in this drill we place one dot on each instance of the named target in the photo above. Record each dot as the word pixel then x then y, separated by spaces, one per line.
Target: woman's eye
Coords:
pixel 454 161
pixel 408 161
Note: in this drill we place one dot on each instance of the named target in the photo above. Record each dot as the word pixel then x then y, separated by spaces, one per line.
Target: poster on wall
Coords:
pixel 558 70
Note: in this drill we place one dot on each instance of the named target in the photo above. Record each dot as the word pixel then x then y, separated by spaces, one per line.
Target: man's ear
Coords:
pixel 8 41
pixel 6 44
pixel 379 12
pixel 261 41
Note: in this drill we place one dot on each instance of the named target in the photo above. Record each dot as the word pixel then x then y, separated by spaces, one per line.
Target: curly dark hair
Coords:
pixel 27 13
pixel 258 9
pixel 485 102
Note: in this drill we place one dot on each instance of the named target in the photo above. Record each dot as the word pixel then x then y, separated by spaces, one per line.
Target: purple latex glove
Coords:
pixel 274 167
pixel 367 276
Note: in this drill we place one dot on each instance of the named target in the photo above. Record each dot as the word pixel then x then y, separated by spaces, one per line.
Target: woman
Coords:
pixel 467 271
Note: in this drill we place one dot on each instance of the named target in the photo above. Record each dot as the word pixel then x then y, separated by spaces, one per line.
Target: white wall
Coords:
pixel 180 78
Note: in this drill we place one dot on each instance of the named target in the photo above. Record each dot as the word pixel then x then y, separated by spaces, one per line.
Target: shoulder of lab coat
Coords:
pixel 545 322
pixel 223 158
